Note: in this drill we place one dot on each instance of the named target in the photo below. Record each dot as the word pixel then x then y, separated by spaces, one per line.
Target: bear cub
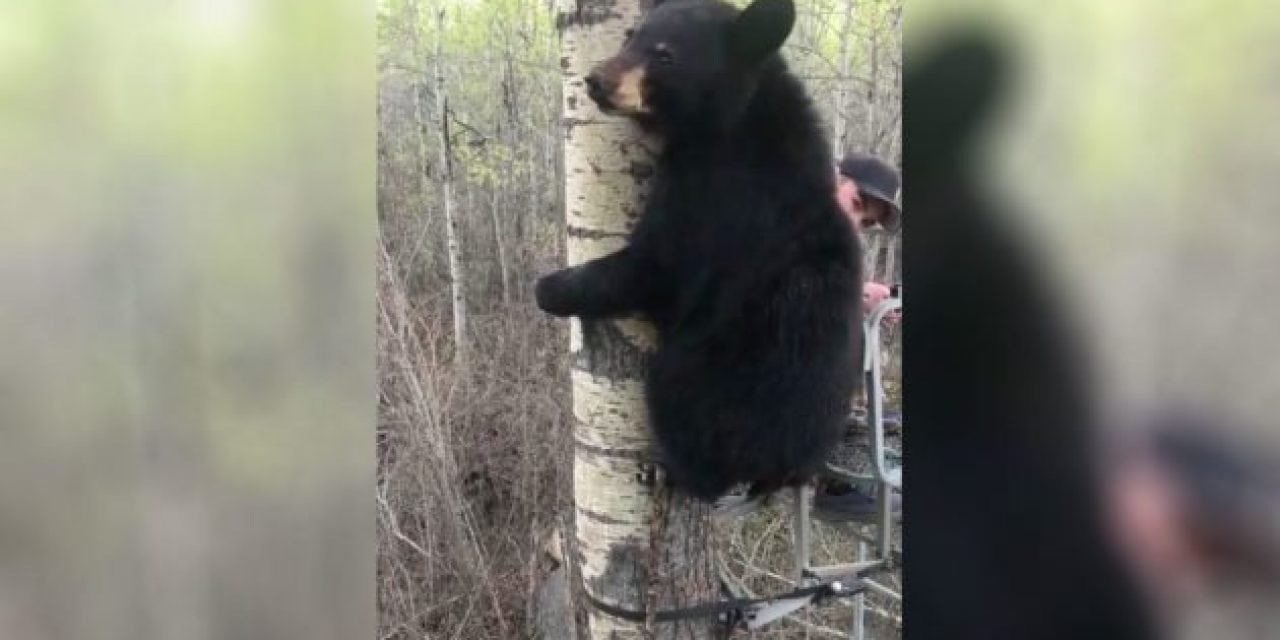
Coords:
pixel 741 257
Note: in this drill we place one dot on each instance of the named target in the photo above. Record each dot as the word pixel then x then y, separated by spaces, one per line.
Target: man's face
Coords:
pixel 874 211
pixel 862 213
pixel 849 200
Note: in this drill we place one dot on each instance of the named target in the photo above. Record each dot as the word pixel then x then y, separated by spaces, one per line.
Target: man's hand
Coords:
pixel 873 293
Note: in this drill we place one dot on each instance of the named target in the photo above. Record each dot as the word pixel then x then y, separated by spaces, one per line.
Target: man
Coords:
pixel 1193 510
pixel 867 191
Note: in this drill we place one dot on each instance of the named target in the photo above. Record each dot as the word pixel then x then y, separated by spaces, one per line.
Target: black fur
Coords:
pixel 741 258
pixel 1006 539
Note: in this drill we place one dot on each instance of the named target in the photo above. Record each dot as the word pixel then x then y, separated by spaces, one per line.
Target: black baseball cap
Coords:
pixel 876 179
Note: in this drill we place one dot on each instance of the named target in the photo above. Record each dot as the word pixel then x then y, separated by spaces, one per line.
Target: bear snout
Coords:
pixel 618 86
pixel 597 90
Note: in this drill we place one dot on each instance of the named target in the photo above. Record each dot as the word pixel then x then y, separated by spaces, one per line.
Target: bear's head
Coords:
pixel 691 63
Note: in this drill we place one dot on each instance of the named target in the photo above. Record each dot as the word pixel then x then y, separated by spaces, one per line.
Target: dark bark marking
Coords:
pixel 600 517
pixel 640 171
pixel 587 13
pixel 607 353
pixel 623 578
pixel 583 233
pixel 636 455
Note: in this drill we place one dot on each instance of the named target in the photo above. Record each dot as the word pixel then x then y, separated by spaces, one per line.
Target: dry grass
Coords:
pixel 471 467
pixel 756 553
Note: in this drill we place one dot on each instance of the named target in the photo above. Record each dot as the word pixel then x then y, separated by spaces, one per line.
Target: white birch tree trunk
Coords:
pixel 504 271
pixel 453 242
pixel 606 164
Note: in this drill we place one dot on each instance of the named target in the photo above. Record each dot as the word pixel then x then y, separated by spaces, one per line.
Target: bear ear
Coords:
pixel 953 87
pixel 760 30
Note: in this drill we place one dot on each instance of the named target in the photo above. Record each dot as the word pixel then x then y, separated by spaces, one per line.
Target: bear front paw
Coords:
pixel 552 294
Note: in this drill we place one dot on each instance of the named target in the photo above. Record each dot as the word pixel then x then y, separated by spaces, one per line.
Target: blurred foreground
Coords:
pixel 187 351
pixel 1124 154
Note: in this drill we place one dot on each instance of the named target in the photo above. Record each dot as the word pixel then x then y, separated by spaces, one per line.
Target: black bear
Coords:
pixel 741 256
pixel 1007 538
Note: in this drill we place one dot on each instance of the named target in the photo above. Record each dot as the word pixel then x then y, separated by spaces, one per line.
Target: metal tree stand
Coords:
pixel 849 578
pixel 883 476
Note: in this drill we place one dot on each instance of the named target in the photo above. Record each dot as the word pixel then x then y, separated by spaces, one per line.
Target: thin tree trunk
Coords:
pixel 871 259
pixel 420 128
pixel 840 126
pixel 873 88
pixel 605 158
pixel 453 242
pixel 499 241
pixel 891 259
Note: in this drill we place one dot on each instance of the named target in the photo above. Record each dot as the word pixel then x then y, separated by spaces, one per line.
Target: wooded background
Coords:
pixel 473 436
pixel 186 288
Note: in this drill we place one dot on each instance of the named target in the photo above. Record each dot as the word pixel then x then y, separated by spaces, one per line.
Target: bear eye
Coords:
pixel 628 33
pixel 662 53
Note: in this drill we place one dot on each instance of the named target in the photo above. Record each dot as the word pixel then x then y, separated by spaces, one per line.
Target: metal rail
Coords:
pixel 885 478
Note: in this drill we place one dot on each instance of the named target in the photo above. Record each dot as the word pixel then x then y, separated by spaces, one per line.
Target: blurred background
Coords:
pixel 186 319
pixel 1135 147
pixel 1139 139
